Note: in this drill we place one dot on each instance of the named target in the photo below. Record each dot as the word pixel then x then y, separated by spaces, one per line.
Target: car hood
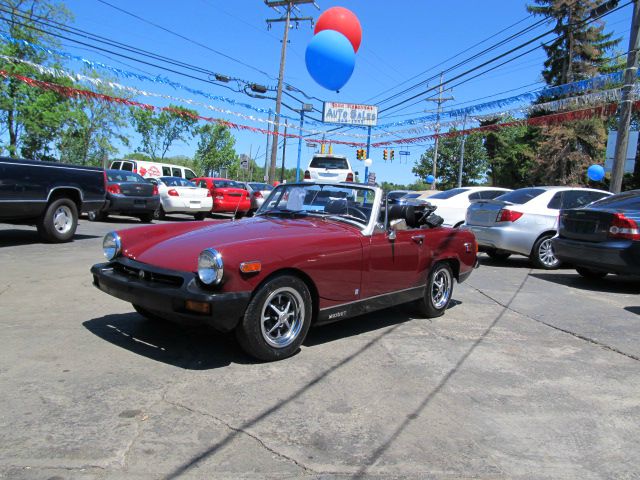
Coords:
pixel 247 239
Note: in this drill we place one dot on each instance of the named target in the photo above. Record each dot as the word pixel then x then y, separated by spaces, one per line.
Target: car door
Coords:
pixel 393 264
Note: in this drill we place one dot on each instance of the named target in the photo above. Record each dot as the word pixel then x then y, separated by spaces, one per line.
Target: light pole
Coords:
pixel 367 164
pixel 306 107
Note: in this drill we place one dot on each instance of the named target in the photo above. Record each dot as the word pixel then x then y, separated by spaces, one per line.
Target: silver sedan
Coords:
pixel 524 221
pixel 258 191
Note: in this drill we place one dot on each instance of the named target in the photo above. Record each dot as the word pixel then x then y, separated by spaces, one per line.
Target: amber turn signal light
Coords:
pixel 200 307
pixel 251 267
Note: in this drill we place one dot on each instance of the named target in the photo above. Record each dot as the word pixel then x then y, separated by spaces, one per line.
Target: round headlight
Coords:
pixel 210 267
pixel 111 245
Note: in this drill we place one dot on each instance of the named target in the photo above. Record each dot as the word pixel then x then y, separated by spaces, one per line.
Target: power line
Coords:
pixel 190 40
pixel 450 58
pixel 498 57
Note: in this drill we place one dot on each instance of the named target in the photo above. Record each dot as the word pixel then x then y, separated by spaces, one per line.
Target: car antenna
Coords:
pixel 237 207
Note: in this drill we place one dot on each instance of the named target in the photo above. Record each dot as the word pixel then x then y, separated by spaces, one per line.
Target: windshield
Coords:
pixel 350 204
pixel 114 176
pixel 176 182
pixel 227 184
pixel 449 193
pixel 260 186
pixel 330 163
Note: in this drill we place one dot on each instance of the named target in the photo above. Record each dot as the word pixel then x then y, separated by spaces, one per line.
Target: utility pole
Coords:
pixel 266 152
pixel 284 151
pixel 287 19
pixel 626 103
pixel 440 100
pixel 464 139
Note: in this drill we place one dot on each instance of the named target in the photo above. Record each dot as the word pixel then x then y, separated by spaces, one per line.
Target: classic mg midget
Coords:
pixel 312 254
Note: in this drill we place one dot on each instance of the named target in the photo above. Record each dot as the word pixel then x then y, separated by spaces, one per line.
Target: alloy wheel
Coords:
pixel 441 288
pixel 63 219
pixel 282 317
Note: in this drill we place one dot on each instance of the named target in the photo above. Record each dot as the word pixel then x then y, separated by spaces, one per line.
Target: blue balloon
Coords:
pixel 330 59
pixel 595 173
pixel 430 179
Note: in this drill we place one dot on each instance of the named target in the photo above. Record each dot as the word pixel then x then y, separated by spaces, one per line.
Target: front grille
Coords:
pixel 148 276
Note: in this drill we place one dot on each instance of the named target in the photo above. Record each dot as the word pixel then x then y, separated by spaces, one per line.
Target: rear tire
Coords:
pixel 239 215
pixel 276 320
pixel 542 254
pixel 437 293
pixel 146 218
pixel 59 222
pixel 159 213
pixel 590 274
pixel 200 216
pixel 498 254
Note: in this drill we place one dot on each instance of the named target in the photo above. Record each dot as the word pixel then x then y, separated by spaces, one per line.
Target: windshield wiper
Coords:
pixel 346 216
pixel 283 211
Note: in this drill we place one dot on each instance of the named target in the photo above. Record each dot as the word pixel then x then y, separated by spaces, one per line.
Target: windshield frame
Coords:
pixel 374 197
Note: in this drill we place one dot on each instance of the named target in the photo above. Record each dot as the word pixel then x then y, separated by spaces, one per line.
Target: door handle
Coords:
pixel 419 239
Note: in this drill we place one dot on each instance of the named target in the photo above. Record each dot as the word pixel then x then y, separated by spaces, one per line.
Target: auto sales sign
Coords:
pixel 350 114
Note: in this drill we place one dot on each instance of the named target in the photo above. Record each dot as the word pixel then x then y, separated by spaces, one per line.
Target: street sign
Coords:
pixel 244 162
pixel 350 114
pixel 372 179
pixel 404 152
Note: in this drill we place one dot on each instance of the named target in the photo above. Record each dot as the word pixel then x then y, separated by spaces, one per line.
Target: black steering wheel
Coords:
pixel 356 212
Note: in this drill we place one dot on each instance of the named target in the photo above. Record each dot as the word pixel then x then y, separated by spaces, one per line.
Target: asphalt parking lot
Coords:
pixel 530 374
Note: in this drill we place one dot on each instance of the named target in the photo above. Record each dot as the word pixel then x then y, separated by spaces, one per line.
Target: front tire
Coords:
pixel 590 274
pixel 59 222
pixel 542 254
pixel 438 292
pixel 276 320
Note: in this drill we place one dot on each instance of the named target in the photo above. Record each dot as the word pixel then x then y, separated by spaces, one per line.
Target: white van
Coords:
pixel 148 169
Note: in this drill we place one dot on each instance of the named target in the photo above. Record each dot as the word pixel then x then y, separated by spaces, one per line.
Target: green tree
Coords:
pixel 510 154
pixel 216 149
pixel 563 152
pixel 158 131
pixel 31 118
pixel 579 50
pixel 92 130
pixel 475 161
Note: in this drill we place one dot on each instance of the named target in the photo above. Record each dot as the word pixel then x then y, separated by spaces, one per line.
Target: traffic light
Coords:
pixel 384 154
pixel 360 154
pixel 392 155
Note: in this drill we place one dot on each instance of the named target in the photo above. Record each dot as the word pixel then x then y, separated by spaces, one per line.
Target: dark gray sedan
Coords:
pixel 128 194
pixel 603 237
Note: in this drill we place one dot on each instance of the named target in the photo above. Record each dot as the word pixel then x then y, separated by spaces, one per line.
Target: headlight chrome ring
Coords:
pixel 210 267
pixel 111 245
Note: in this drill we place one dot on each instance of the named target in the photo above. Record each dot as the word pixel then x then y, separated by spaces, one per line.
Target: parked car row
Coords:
pixel 593 230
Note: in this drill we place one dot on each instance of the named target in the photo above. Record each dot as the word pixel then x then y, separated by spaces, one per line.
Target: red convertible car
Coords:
pixel 313 254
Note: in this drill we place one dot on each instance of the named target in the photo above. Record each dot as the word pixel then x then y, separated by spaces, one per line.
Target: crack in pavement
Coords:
pixel 555 327
pixel 305 468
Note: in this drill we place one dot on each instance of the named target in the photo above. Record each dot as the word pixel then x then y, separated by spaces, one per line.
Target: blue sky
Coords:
pixel 400 40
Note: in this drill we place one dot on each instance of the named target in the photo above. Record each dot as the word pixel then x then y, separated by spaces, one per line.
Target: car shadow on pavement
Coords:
pixel 635 310
pixel 609 284
pixel 514 261
pixel 18 238
pixel 191 348
pixel 366 323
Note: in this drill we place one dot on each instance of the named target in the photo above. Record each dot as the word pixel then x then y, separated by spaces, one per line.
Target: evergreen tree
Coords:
pixel 579 50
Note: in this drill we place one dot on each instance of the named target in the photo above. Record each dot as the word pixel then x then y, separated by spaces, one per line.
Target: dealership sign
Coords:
pixel 350 114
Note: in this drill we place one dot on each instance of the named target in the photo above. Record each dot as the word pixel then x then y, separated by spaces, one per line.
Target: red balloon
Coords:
pixel 341 20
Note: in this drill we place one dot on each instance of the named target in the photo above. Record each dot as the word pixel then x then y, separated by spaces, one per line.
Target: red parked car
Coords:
pixel 228 196
pixel 312 254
